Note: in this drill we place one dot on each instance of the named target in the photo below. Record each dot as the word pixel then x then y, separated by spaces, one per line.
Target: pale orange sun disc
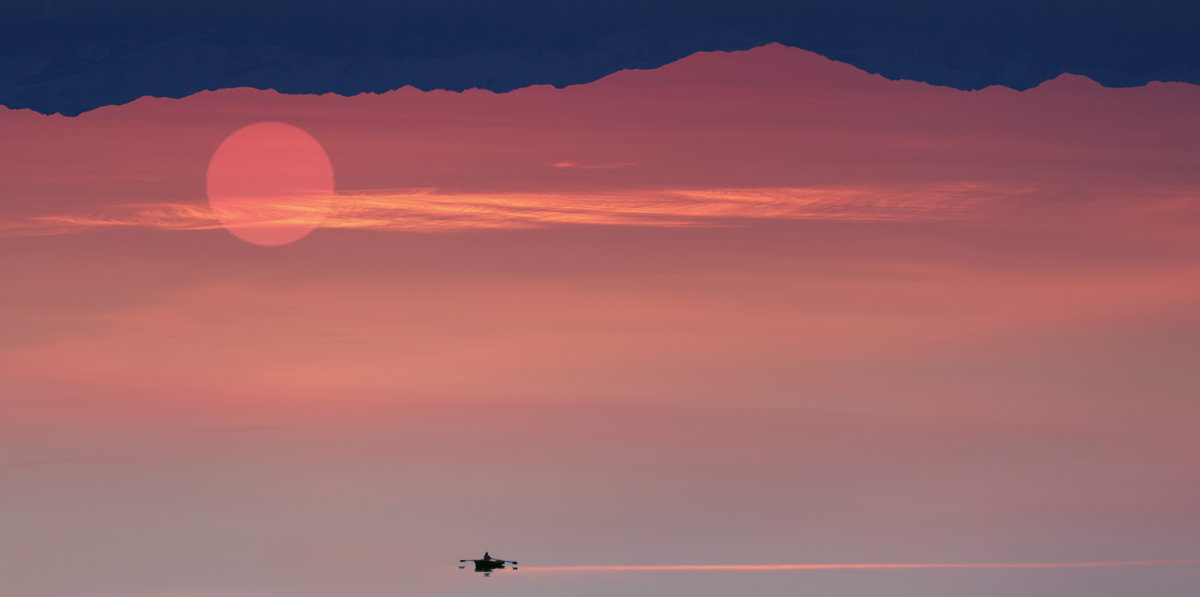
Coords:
pixel 270 183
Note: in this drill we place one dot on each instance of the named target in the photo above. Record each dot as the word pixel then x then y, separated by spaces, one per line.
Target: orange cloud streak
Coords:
pixel 428 210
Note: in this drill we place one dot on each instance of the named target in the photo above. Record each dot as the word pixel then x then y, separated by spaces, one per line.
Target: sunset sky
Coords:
pixel 754 307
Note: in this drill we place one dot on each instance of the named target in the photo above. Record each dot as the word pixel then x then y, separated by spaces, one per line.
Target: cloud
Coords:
pixel 207 593
pixel 432 210
pixel 42 462
pixel 593 166
pixel 867 566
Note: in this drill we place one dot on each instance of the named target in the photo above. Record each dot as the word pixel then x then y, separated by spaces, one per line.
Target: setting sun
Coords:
pixel 270 183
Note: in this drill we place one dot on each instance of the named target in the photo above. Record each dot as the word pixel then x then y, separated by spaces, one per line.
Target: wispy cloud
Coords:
pixel 865 566
pixel 207 593
pixel 593 166
pixel 43 462
pixel 432 210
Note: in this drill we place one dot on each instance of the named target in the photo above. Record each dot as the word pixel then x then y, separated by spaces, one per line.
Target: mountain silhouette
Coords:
pixel 71 56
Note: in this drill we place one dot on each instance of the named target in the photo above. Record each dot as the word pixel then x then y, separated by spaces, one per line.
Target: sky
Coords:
pixel 748 308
